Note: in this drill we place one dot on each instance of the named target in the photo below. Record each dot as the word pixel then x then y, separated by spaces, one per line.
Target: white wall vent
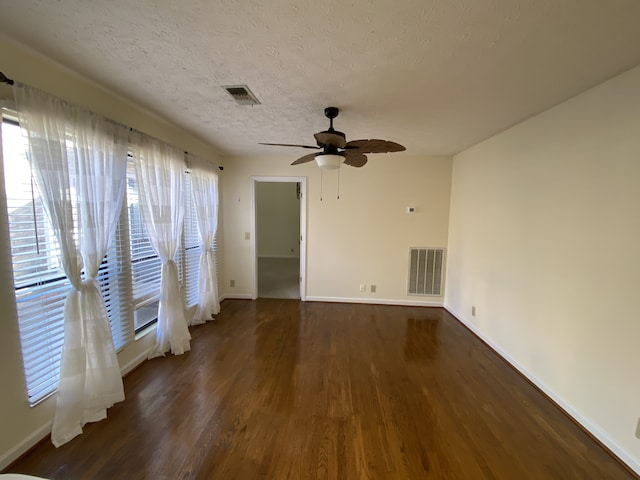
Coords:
pixel 425 271
pixel 242 95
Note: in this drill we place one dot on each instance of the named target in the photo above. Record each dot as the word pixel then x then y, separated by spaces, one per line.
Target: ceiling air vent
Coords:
pixel 242 95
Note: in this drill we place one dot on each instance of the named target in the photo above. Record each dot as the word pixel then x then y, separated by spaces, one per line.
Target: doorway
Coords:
pixel 279 231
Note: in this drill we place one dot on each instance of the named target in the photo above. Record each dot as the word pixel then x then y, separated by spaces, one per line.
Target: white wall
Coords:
pixel 21 425
pixel 362 238
pixel 544 239
pixel 277 219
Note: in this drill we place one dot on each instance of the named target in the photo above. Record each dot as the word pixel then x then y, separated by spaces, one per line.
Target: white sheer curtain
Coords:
pixel 159 171
pixel 204 192
pixel 78 160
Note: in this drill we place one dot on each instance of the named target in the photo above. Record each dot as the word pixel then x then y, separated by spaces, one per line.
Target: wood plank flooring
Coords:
pixel 279 389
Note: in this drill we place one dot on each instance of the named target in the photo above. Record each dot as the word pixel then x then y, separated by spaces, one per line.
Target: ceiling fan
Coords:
pixel 335 149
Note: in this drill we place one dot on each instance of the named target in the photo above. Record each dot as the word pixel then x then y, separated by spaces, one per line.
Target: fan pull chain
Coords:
pixel 339 184
pixel 321 170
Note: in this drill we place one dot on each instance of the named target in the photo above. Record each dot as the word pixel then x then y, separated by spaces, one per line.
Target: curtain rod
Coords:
pixel 5 79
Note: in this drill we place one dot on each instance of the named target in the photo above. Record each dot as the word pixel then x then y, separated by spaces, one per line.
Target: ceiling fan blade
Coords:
pixel 307 158
pixel 331 139
pixel 374 146
pixel 289 145
pixel 354 159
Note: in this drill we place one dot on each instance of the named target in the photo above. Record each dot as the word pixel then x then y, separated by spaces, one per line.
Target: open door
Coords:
pixel 278 239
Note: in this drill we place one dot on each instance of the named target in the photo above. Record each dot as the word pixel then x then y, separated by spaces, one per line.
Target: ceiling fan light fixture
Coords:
pixel 329 161
pixel 335 150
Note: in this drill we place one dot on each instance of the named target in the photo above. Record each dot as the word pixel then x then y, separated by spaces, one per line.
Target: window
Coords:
pixel 192 249
pixel 145 263
pixel 129 276
pixel 40 283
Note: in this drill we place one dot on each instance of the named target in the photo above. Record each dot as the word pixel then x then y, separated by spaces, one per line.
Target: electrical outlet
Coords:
pixel 638 429
pixel 247 235
pixel 473 311
pixel 363 287
pixel 232 283
pixel 373 288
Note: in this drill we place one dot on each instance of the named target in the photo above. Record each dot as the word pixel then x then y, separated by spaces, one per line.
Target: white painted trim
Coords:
pixel 620 452
pixel 23 447
pixel 303 230
pixel 138 360
pixel 375 301
pixel 41 433
pixel 238 296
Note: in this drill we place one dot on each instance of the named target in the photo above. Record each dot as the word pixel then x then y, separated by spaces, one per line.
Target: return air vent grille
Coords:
pixel 242 95
pixel 425 271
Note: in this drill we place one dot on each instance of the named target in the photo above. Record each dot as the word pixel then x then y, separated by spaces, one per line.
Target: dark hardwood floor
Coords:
pixel 278 389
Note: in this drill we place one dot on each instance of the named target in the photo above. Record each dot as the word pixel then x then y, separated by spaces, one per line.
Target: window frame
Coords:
pixel 41 342
pixel 116 276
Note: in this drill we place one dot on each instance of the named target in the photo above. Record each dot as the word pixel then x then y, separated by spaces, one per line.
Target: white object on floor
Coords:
pixel 18 476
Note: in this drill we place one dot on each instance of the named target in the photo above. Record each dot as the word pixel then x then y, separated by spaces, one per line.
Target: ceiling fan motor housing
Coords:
pixel 331 112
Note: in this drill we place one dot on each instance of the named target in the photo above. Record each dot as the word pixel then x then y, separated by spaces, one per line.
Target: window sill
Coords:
pixel 145 331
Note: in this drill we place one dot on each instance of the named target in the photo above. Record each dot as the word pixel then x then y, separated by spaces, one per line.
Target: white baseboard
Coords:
pixel 371 301
pixel 376 301
pixel 621 453
pixel 39 434
pixel 23 447
pixel 237 296
pixel 135 362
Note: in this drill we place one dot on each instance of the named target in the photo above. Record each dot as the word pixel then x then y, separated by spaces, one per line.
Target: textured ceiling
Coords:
pixel 435 75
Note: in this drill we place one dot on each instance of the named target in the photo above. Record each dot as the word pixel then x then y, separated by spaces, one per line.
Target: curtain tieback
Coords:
pixel 170 263
pixel 89 285
pixel 170 268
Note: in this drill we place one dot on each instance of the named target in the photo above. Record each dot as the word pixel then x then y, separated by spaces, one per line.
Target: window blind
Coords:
pixel 145 263
pixel 40 283
pixel 115 286
pixel 129 276
pixel 192 248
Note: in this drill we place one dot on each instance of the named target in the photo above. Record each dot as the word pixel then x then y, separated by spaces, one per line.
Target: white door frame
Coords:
pixel 303 230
